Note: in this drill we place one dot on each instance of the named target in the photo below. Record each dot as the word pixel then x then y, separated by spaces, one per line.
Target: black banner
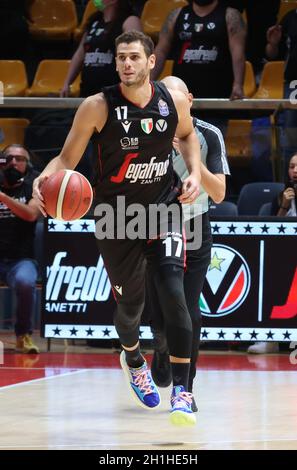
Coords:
pixel 250 291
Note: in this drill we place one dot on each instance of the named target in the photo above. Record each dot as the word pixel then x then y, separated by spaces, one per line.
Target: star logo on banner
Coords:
pixel 216 262
pixel 237 335
pixel 295 228
pixel 286 335
pixel 51 226
pixel 90 332
pixel 248 228
pixel 205 334
pixel 140 333
pixel 264 229
pixel 216 229
pixel 57 331
pixel 68 226
pixel 221 335
pixel 270 335
pixel 254 335
pixel 281 229
pixel 73 331
pixel 106 332
pixel 232 228
pixel 85 226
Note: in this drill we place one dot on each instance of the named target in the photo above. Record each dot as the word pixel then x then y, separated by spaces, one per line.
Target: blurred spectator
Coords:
pixel 14 31
pixel 18 215
pixel 284 206
pixel 95 55
pixel 282 45
pixel 207 42
pixel 260 16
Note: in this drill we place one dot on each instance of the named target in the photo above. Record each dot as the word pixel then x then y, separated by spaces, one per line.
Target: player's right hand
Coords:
pixel 37 195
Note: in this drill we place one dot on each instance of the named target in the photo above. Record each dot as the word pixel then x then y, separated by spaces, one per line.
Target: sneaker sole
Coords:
pixel 132 393
pixel 180 418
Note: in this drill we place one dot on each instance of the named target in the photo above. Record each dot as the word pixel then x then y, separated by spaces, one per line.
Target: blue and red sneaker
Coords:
pixel 181 411
pixel 141 384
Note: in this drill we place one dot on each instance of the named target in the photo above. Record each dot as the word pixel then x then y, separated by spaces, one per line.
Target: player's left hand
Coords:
pixel 190 190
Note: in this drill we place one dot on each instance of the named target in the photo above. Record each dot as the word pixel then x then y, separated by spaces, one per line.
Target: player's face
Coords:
pixel 133 65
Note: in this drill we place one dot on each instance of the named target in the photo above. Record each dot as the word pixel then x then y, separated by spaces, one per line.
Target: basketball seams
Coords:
pixel 80 198
pixel 67 176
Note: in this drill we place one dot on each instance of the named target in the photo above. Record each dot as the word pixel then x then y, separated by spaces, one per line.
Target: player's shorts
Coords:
pixel 125 259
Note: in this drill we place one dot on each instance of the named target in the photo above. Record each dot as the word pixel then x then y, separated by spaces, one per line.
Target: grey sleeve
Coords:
pixel 216 160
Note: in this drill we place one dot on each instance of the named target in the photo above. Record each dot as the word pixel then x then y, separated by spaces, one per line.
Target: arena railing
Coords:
pixel 274 107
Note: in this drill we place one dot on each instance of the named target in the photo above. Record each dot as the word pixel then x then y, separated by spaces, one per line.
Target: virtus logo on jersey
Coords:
pixel 75 284
pixel 146 173
pixel 227 282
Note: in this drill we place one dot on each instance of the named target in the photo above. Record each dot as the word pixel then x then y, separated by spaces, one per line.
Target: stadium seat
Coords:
pixel 49 79
pixel 89 10
pixel 265 209
pixel 154 14
pixel 225 208
pixel 253 195
pixel 238 138
pixel 285 6
pixel 272 81
pixel 12 131
pixel 249 85
pixel 52 20
pixel 14 77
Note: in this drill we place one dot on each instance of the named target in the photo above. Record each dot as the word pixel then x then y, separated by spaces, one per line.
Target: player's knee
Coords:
pixel 127 316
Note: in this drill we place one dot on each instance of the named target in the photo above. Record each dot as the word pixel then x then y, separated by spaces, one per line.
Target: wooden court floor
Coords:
pixel 81 401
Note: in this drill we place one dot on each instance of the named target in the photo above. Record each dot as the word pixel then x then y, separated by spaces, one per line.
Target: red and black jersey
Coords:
pixel 133 149
pixel 201 53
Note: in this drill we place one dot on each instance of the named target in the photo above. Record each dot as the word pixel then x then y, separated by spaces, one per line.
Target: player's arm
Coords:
pixel 91 115
pixel 189 147
pixel 237 35
pixel 165 42
pixel 213 173
pixel 214 184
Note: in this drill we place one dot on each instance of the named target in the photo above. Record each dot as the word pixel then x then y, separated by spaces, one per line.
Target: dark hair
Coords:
pixel 134 36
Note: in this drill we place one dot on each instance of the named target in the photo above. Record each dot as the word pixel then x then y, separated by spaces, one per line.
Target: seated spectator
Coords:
pixel 18 215
pixel 95 55
pixel 284 206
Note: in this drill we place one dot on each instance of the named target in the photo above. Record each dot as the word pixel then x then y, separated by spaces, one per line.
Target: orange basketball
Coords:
pixel 67 195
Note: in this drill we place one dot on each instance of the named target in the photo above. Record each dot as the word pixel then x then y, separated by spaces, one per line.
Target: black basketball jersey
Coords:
pixel 201 53
pixel 133 149
pixel 99 68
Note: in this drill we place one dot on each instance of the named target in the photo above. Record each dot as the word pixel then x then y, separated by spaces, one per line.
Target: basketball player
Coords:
pixel 134 124
pixel 214 167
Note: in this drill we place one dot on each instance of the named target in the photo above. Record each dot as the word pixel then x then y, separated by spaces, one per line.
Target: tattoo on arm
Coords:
pixel 170 21
pixel 235 22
